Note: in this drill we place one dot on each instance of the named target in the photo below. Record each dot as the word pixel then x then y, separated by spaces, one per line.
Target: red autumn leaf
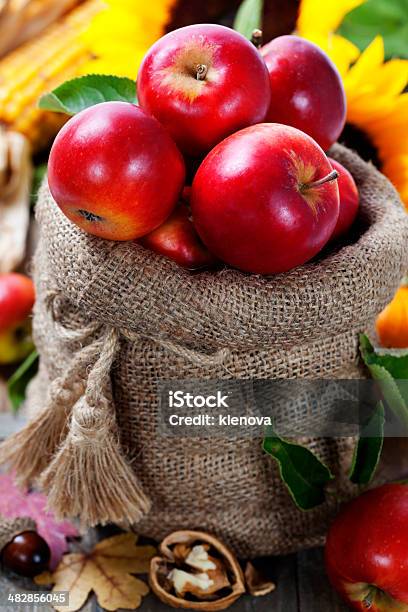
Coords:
pixel 15 502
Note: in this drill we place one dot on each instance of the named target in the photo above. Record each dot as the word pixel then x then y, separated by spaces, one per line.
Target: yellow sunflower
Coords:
pixel 120 34
pixel 377 116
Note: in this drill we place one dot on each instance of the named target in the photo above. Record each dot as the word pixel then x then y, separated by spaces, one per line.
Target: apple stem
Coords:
pixel 201 72
pixel 332 176
pixel 257 38
pixel 369 599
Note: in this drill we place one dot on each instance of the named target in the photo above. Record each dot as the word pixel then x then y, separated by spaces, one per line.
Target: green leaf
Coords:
pixel 385 17
pixel 18 382
pixel 302 472
pixel 249 17
pixel 73 96
pixel 390 370
pixel 393 360
pixel 369 447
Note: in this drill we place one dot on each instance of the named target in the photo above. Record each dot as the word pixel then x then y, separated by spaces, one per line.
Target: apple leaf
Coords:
pixel 369 447
pixel 16 502
pixel 387 18
pixel 17 383
pixel 77 94
pixel 390 370
pixel 302 472
pixel 249 17
pixel 393 360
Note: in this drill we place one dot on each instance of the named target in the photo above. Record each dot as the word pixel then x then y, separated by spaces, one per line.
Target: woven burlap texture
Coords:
pixel 174 325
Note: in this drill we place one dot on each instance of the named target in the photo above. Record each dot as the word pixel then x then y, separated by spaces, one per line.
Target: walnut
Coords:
pixel 197 572
pixel 256 583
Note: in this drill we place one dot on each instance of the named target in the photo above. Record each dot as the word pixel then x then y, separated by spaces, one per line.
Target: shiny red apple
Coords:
pixel 115 171
pixel 203 82
pixel 265 200
pixel 177 239
pixel 306 89
pixel 349 200
pixel 367 551
pixel 17 297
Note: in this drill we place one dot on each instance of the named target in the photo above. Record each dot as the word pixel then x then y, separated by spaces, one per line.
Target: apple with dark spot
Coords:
pixel 115 172
pixel 265 199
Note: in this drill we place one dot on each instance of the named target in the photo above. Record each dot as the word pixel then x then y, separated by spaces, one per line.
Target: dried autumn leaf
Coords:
pixel 16 502
pixel 106 572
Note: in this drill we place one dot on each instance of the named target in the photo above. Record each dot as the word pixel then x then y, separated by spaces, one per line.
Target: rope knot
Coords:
pixel 90 424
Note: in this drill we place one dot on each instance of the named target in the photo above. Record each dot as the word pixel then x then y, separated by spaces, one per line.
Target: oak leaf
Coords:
pixel 106 572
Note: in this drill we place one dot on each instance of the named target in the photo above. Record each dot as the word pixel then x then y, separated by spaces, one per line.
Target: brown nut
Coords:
pixel 196 572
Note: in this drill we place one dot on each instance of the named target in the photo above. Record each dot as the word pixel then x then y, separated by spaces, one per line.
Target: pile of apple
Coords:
pixel 223 160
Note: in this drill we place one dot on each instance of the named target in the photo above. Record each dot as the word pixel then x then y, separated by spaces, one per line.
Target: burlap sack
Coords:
pixel 113 319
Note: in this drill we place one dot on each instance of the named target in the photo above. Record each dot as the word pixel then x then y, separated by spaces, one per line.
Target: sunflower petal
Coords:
pixel 369 61
pixel 342 52
pixel 392 77
pixel 314 16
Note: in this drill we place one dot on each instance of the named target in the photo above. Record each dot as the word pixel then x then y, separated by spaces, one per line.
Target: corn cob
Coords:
pixel 38 67
pixel 22 20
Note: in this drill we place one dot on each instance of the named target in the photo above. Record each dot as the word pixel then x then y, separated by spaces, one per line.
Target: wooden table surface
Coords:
pixel 301 583
pixel 301 586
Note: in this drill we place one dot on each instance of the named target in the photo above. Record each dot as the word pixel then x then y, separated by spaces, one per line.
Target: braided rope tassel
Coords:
pixel 28 452
pixel 89 476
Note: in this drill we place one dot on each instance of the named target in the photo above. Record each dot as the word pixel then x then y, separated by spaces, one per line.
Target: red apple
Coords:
pixel 349 200
pixel 17 297
pixel 177 239
pixel 115 171
pixel 367 551
pixel 265 200
pixel 307 90
pixel 203 82
pixel 15 343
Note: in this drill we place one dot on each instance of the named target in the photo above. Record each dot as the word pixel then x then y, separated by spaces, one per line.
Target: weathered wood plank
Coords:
pixel 301 582
pixel 315 592
pixel 301 587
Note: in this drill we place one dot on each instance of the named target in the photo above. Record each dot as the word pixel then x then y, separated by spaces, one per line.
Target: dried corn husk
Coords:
pixel 21 20
pixel 15 183
pixel 39 66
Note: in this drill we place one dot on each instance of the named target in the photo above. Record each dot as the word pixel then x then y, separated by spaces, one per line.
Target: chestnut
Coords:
pixel 27 554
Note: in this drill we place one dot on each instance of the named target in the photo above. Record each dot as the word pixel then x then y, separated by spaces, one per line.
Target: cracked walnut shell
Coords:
pixel 196 571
